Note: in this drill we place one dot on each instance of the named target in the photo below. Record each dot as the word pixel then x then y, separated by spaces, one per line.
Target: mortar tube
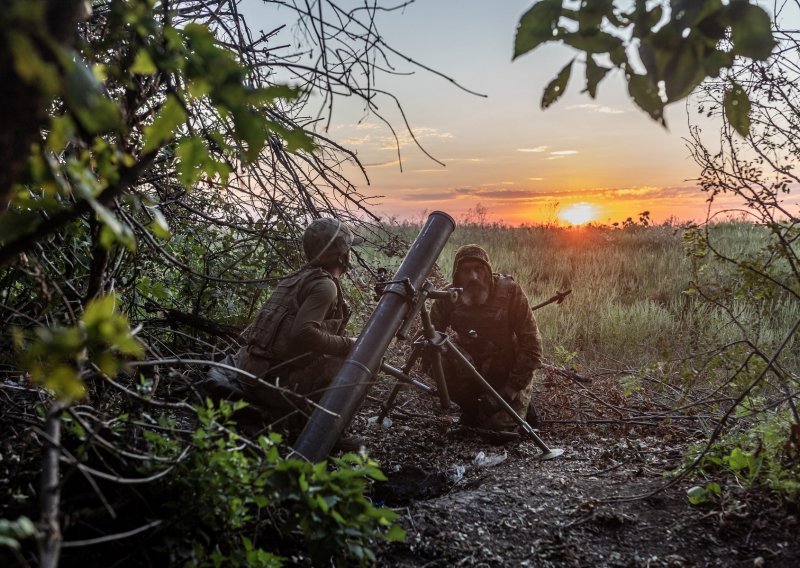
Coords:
pixel 346 392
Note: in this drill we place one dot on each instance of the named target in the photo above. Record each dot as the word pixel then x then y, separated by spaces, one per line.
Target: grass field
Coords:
pixel 630 305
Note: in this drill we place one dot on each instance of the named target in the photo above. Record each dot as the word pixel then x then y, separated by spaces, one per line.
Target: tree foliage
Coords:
pixel 757 440
pixel 663 49
pixel 158 166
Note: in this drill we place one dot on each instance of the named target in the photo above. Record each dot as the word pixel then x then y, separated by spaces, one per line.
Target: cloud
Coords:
pixel 355 140
pixel 404 139
pixel 596 108
pixel 561 154
pixel 536 179
pixel 471 160
pixel 537 149
pixel 509 194
pixel 429 196
pixel 382 164
pixel 620 193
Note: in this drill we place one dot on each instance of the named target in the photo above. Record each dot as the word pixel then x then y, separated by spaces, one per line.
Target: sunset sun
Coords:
pixel 579 213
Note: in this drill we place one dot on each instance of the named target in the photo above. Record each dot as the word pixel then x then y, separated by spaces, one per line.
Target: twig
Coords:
pixel 566 373
pixel 110 537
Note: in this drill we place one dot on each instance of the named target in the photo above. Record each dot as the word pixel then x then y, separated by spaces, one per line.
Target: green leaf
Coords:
pixel 269 94
pixel 738 460
pixel 591 13
pixel 536 26
pixel 594 74
pixel 557 86
pixel 30 67
pixel 737 108
pixel 193 157
pixel 395 534
pixel 165 124
pixel 65 382
pixel 297 139
pixel 696 495
pixel 645 95
pixel 683 71
pixel 61 130
pixel 119 231
pixel 86 99
pixel 250 127
pixel 159 226
pixel 99 310
pixel 143 64
pixel 751 30
pixel 599 42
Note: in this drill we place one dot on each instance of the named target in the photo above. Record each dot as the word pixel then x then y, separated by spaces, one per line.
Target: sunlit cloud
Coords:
pixel 536 179
pixel 557 155
pixel 509 194
pixel 404 139
pixel 382 164
pixel 596 108
pixel 355 140
pixel 468 160
pixel 429 196
pixel 537 149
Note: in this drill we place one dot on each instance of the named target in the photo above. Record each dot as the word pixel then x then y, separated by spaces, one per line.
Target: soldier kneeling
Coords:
pixel 297 340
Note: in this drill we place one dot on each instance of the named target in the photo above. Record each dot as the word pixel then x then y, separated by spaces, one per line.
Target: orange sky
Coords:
pixel 502 152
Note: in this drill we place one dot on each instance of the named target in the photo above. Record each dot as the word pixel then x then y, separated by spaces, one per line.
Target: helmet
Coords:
pixel 326 240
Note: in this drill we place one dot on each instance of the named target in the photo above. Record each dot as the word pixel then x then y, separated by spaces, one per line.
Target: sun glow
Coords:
pixel 579 213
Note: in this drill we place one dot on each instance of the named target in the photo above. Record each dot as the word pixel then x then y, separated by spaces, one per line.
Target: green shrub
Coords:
pixel 236 501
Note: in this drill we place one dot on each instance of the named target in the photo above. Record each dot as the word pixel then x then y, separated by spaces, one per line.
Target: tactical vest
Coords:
pixel 268 336
pixel 494 345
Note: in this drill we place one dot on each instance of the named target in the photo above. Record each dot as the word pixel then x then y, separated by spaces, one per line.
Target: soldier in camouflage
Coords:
pixel 297 340
pixel 496 329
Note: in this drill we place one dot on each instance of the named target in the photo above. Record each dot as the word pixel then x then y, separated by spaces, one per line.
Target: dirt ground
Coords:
pixel 466 500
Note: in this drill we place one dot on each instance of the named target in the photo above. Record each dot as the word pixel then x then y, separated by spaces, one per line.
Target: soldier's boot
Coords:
pixel 532 417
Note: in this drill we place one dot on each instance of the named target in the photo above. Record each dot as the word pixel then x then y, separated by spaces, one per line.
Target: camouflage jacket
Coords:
pixel 501 335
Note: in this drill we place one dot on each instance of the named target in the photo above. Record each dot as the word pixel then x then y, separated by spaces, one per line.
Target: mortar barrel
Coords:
pixel 341 400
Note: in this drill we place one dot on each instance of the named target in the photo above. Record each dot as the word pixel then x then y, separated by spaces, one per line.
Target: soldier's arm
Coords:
pixel 307 333
pixel 529 356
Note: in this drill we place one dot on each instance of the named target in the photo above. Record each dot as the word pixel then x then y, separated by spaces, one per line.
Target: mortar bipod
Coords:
pixel 428 345
pixel 431 345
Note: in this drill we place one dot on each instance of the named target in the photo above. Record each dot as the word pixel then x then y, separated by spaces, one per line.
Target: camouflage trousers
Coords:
pixel 478 408
pixel 286 399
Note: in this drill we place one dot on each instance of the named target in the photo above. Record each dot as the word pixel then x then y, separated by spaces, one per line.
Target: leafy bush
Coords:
pixel 239 502
pixel 761 453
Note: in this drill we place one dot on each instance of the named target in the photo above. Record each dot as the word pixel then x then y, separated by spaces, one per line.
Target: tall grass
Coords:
pixel 629 305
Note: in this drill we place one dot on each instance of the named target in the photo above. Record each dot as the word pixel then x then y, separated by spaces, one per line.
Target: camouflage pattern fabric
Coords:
pixel 501 339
